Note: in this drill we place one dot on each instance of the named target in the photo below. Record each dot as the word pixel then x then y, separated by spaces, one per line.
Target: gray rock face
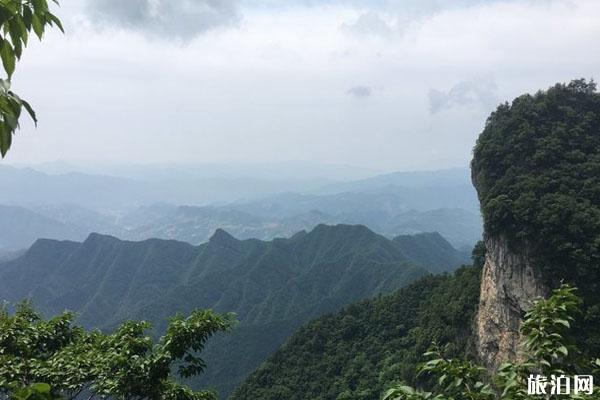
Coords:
pixel 509 285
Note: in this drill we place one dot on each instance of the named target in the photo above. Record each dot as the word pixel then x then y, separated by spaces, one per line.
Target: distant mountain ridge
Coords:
pixel 20 227
pixel 409 179
pixel 30 187
pixel 282 218
pixel 195 225
pixel 273 286
pixel 143 205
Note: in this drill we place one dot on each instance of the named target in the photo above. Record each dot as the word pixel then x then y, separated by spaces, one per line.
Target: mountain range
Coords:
pixel 104 192
pixel 137 205
pixel 195 225
pixel 273 286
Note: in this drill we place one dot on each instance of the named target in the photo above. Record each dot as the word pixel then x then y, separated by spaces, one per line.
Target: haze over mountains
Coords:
pixel 189 204
pixel 278 249
pixel 274 286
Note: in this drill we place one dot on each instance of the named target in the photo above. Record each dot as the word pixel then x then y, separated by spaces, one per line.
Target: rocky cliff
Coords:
pixel 535 168
pixel 509 284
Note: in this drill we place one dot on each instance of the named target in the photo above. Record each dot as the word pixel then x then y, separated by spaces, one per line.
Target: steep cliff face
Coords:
pixel 509 284
pixel 535 168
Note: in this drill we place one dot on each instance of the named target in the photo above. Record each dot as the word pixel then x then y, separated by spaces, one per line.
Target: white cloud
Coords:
pixel 184 19
pixel 479 92
pixel 275 87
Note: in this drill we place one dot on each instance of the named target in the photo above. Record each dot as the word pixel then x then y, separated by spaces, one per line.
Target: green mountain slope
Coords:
pixel 460 227
pixel 432 250
pixel 273 286
pixel 354 354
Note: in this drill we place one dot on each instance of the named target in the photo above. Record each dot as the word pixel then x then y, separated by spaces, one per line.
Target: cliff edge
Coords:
pixel 509 284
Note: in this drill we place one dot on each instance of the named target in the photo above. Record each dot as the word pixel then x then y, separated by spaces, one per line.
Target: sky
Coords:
pixel 388 85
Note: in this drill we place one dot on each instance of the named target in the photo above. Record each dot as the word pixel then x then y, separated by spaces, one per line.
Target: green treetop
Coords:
pixel 127 364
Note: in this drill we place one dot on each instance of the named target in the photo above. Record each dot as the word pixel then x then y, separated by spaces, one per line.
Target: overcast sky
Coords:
pixel 390 85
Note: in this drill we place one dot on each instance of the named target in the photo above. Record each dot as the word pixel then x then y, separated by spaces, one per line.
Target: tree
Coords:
pixel 536 168
pixel 548 350
pixel 126 364
pixel 18 18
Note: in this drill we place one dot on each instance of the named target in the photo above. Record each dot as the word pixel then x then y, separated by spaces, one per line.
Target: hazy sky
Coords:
pixel 384 84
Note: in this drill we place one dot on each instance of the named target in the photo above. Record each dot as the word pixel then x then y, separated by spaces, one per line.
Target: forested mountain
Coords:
pixel 460 227
pixel 358 352
pixel 536 167
pixel 273 286
pixel 432 250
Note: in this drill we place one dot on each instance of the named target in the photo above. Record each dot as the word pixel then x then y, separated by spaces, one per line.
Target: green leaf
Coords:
pixel 563 322
pixel 563 350
pixel 27 18
pixel 56 21
pixel 5 139
pixel 5 85
pixel 8 57
pixel 40 6
pixel 43 388
pixel 37 25
pixel 30 111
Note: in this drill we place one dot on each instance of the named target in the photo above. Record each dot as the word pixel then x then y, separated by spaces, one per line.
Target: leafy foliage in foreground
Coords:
pixel 355 353
pixel 122 365
pixel 18 19
pixel 548 350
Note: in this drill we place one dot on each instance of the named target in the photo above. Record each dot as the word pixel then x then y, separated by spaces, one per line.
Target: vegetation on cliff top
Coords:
pixel 536 168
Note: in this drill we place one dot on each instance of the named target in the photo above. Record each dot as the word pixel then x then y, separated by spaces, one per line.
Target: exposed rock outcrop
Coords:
pixel 509 284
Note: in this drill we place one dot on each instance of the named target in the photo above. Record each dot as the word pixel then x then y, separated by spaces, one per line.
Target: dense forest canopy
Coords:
pixel 536 167
pixel 359 352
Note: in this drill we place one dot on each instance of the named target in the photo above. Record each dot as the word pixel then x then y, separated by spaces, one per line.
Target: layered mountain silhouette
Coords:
pixel 273 287
pixel 175 206
pixel 195 225
pixel 20 227
pixel 278 217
